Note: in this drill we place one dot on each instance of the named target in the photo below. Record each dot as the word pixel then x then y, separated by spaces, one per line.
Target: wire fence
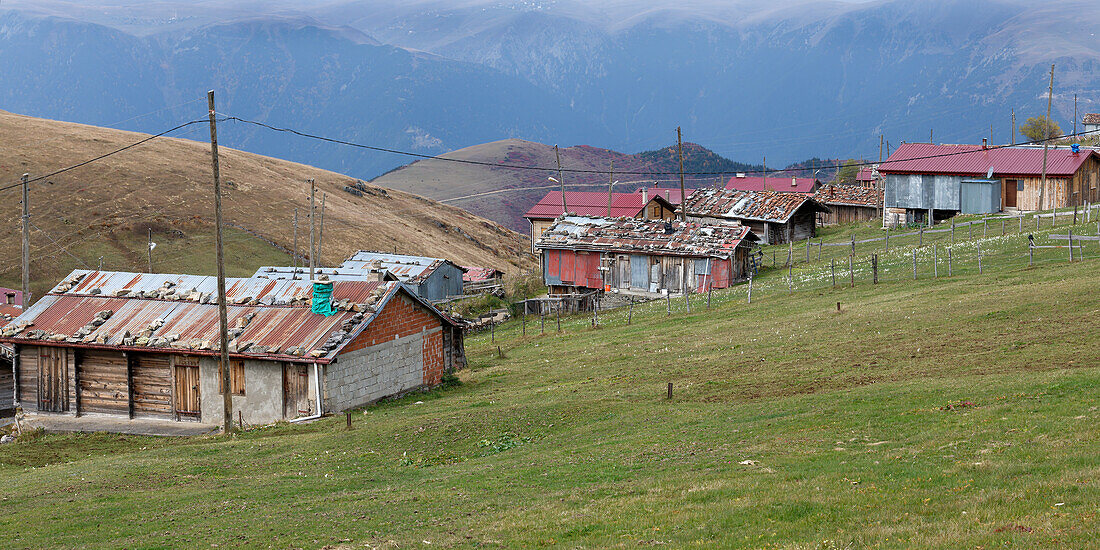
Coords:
pixel 982 252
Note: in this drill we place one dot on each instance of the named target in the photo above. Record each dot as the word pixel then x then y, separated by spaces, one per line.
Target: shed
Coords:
pixel 433 279
pixel 849 203
pixel 1091 123
pixel 640 204
pixel 773 216
pixel 922 177
pixel 632 256
pixel 147 345
pixel 980 196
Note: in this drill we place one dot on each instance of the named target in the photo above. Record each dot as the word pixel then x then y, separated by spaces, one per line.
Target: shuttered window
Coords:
pixel 236 378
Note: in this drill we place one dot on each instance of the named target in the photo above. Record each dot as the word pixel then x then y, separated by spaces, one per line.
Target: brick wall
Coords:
pixel 401 317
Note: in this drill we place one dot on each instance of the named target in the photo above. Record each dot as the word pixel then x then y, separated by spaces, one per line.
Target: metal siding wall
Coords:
pixel 947 192
pixel 890 189
pixel 552 265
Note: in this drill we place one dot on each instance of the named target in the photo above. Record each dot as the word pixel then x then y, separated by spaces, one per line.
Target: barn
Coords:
pixel 773 216
pixel 142 345
pixel 643 257
pixel 849 203
pixel 433 279
pixel 944 180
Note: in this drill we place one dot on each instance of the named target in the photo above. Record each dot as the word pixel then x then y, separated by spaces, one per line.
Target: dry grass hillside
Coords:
pixel 107 208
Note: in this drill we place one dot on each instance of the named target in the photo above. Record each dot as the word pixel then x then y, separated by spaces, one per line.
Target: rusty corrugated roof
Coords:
pixel 267 318
pixel 655 237
pixel 479 274
pixel 769 206
pixel 849 195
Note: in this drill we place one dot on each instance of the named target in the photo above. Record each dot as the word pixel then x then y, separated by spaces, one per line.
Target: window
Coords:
pixel 1019 185
pixel 236 378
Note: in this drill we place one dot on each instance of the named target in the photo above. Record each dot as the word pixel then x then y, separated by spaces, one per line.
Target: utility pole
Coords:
pixel 1046 139
pixel 1074 126
pixel 223 322
pixel 321 229
pixel 561 182
pixel 991 134
pixel 295 255
pixel 26 244
pixel 930 140
pixel 150 249
pixel 680 149
pixel 312 226
pixel 610 184
pixel 1014 126
pixel 880 138
pixel 887 148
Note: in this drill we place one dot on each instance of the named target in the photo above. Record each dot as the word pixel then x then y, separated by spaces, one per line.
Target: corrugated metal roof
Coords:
pixel 267 318
pixel 849 195
pixel 757 183
pixel 974 161
pixel 866 174
pixel 9 312
pixel 586 203
pixel 770 206
pixel 479 274
pixel 655 237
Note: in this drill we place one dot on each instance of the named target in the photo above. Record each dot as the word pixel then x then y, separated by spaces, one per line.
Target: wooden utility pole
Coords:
pixel 680 149
pixel 561 182
pixel 26 243
pixel 930 140
pixel 1014 126
pixel 295 255
pixel 321 229
pixel 880 139
pixel 1074 121
pixel 223 322
pixel 610 185
pixel 312 226
pixel 149 248
pixel 1046 140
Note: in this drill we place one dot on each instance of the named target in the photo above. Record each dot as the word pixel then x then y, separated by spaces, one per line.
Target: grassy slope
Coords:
pixel 568 440
pixel 165 185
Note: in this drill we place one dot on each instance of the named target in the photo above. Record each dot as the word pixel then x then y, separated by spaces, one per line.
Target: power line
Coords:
pixel 103 156
pixel 591 171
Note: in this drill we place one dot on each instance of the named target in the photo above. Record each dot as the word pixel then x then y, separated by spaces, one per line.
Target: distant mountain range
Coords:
pixel 789 80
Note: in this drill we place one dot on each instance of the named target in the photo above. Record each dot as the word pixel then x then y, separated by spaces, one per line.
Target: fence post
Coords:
pixel 542 321
pixel 1075 214
pixel 558 310
pixel 687 300
pixel 935 261
pixel 853 244
pixel 985 228
pixel 874 268
pixel 1002 227
pixel 1071 245
pixel 952 230
pixel 832 266
pixel 970 231
pixel 914 264
pixel 630 313
pixel 493 331
pixel 525 318
pixel 750 290
pixel 1030 254
pixel 807 249
pixel 979 258
pixel 1021 231
pixel 819 247
pixel 851 271
pixel 950 272
pixel 921 243
pixel 888 238
pixel 710 289
pixel 668 302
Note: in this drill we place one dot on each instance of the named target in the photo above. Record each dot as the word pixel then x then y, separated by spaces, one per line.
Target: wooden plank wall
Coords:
pixel 153 385
pixel 7 385
pixel 848 214
pixel 103 382
pixel 28 377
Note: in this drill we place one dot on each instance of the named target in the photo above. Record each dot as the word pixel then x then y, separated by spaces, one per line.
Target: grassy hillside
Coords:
pixel 947 413
pixel 106 208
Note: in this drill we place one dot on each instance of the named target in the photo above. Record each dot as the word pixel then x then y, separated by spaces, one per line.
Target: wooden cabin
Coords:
pixel 146 345
pixel 643 257
pixel 640 204
pixel 773 216
pixel 8 312
pixel 849 203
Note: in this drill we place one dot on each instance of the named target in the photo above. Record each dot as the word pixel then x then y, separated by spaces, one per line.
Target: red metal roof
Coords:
pixel 866 174
pixel 587 203
pixel 974 161
pixel 652 237
pixel 264 321
pixel 849 195
pixel 9 312
pixel 479 274
pixel 769 206
pixel 757 183
pixel 670 194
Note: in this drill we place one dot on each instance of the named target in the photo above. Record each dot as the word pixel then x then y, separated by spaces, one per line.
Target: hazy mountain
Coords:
pixel 789 79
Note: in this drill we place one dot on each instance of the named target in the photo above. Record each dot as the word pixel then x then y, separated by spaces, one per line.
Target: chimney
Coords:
pixel 985 144
pixel 9 297
pixel 645 201
pixel 794 181
pixel 740 175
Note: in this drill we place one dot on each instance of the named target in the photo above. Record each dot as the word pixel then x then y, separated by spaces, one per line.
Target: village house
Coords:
pixel 481 279
pixel 742 182
pixel 432 279
pixel 849 203
pixel 868 177
pixel 147 345
pixel 1091 123
pixel 773 216
pixel 644 257
pixel 974 179
pixel 11 296
pixel 639 205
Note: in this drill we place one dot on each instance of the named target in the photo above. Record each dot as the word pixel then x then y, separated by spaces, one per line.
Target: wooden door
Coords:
pixel 1010 193
pixel 102 382
pixel 295 390
pixel 187 392
pixel 152 390
pixel 622 264
pixel 53 376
